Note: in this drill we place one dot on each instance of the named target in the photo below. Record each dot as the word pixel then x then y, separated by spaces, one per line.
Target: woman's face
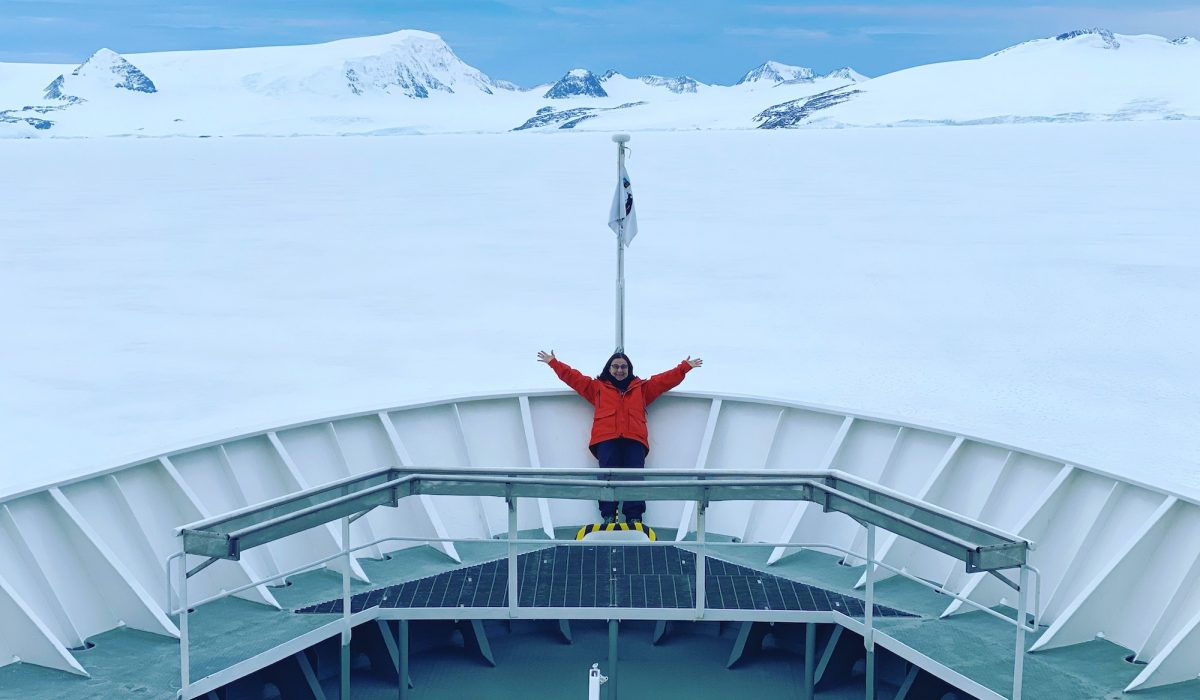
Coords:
pixel 618 368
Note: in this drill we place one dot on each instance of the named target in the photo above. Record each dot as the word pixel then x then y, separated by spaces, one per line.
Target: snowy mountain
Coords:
pixel 793 113
pixel 105 70
pixel 1106 38
pixel 412 82
pixel 660 103
pixel 352 85
pixel 568 118
pixel 846 73
pixel 773 73
pixel 1085 75
pixel 409 63
pixel 680 85
pixel 576 83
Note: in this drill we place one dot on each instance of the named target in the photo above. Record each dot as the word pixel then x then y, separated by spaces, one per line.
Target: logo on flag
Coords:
pixel 622 219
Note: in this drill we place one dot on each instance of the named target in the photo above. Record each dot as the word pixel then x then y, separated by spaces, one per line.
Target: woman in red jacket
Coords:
pixel 619 438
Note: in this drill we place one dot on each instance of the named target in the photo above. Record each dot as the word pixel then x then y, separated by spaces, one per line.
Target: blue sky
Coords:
pixel 530 41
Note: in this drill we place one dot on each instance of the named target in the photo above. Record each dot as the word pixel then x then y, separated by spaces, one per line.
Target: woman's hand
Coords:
pixel 544 356
pixel 694 363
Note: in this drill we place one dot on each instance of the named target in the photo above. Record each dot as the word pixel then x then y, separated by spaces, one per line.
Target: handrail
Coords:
pixel 593 474
pixel 712 483
pixel 980 548
pixel 579 543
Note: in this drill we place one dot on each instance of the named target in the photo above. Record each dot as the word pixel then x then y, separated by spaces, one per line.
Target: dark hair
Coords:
pixel 607 376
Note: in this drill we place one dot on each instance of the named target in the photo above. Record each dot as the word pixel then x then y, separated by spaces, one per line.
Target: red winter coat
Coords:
pixel 620 415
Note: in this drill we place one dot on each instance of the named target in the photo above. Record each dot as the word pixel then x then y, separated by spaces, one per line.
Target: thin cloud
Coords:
pixel 4 4
pixel 250 24
pixel 322 22
pixel 920 30
pixel 38 57
pixel 780 33
pixel 1031 19
pixel 1114 17
pixel 59 23
pixel 893 11
pixel 592 12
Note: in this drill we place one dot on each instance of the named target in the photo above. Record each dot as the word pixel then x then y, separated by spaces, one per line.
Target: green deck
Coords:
pixel 688 664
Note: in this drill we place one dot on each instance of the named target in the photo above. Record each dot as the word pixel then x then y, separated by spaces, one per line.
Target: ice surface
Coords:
pixel 1036 285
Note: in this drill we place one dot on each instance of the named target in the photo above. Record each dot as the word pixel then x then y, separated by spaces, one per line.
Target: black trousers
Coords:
pixel 621 453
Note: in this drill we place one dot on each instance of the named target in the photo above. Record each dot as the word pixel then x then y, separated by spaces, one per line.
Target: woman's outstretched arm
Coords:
pixel 665 381
pixel 584 386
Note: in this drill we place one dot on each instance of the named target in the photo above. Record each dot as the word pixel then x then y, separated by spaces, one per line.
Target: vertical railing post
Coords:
pixel 1019 660
pixel 810 659
pixel 594 681
pixel 170 585
pixel 613 631
pixel 869 635
pixel 512 556
pixel 183 627
pixel 700 578
pixel 403 627
pixel 345 694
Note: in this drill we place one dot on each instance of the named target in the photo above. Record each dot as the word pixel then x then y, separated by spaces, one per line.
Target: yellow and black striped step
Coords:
pixel 611 527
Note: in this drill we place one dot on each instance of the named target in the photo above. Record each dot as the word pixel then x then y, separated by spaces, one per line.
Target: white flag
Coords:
pixel 622 218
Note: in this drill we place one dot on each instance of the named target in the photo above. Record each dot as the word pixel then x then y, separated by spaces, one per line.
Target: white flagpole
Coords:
pixel 621 140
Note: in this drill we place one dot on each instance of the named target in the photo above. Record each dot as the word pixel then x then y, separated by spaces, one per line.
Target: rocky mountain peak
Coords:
pixel 774 72
pixel 1109 41
pixel 578 82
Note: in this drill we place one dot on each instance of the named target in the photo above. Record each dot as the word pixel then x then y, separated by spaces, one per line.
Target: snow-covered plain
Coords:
pixel 1032 284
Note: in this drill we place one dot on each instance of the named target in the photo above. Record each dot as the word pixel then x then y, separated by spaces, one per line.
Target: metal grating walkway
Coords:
pixel 606 576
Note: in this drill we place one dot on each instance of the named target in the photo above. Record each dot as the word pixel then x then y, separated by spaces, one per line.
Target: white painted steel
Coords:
pixel 26 637
pixel 513 588
pixel 185 677
pixel 347 629
pixel 428 508
pixel 1022 619
pixel 792 525
pixel 594 681
pixel 687 521
pixel 327 536
pixel 156 522
pixel 84 555
pixel 701 555
pixel 535 461
pixel 869 612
